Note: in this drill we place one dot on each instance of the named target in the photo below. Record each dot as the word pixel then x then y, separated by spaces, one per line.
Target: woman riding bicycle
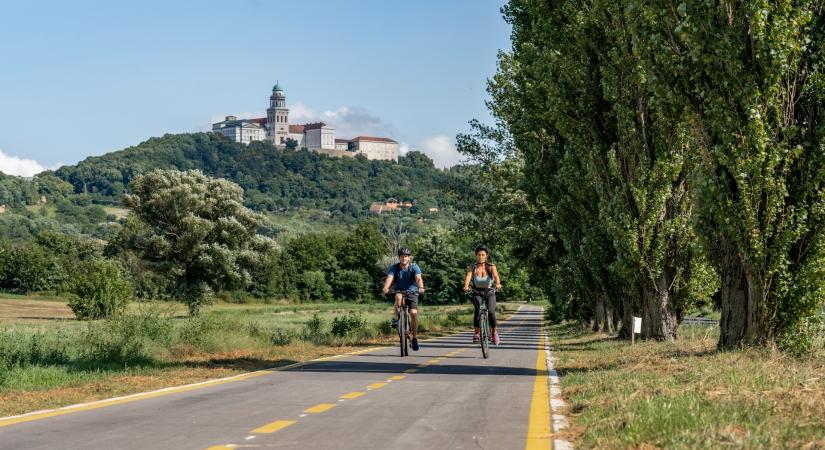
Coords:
pixel 482 274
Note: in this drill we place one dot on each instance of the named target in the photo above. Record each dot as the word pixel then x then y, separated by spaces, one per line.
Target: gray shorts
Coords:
pixel 410 298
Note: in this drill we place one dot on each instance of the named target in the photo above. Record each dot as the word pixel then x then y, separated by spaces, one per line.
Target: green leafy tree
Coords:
pixel 199 234
pixel 100 290
pixel 416 159
pixel 751 74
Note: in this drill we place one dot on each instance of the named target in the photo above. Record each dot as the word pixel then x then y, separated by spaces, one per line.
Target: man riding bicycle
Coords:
pixel 408 285
pixel 482 274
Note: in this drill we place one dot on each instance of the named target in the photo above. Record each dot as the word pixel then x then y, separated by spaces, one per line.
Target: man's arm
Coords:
pixel 420 282
pixel 387 283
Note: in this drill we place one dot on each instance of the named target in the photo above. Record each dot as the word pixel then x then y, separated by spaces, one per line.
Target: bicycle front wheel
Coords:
pixel 402 332
pixel 485 336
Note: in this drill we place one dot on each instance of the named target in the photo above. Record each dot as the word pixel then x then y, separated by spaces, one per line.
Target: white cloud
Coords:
pixel 441 148
pixel 22 167
pixel 348 121
pixel 403 148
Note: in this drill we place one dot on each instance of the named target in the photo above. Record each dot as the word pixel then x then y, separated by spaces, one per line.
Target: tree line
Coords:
pixel 649 157
pixel 189 237
pixel 273 179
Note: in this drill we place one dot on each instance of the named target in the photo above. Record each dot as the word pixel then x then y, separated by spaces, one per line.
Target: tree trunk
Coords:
pixel 599 319
pixel 627 317
pixel 743 299
pixel 609 317
pixel 658 319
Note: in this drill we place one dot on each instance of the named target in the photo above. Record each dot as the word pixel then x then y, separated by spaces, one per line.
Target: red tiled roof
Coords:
pixel 259 120
pixel 374 139
pixel 296 129
pixel 342 141
pixel 314 126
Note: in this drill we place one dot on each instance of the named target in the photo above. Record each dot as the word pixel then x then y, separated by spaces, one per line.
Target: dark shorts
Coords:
pixel 411 299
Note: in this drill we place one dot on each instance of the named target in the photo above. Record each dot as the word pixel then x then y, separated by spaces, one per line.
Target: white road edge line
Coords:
pixel 559 421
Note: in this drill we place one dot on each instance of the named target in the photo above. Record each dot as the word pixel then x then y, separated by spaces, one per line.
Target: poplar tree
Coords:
pixel 751 73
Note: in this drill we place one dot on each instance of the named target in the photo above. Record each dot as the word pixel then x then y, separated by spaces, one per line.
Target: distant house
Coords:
pixel 433 210
pixel 2 209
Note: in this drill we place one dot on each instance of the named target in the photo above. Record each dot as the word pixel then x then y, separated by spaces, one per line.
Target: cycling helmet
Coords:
pixel 482 247
pixel 404 251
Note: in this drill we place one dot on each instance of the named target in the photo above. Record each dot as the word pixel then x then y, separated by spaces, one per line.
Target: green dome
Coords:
pixel 277 87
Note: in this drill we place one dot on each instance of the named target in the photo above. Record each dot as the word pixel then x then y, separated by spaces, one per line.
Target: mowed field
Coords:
pixel 48 359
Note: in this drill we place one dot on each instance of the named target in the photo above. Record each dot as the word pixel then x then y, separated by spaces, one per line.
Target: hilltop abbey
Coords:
pixel 318 137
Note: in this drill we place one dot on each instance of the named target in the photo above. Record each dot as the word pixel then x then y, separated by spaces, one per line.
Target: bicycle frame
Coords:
pixel 403 326
pixel 484 326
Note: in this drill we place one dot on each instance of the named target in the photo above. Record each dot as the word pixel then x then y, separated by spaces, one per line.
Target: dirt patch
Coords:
pixel 24 310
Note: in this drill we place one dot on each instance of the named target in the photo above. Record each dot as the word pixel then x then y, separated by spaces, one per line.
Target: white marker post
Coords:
pixel 637 328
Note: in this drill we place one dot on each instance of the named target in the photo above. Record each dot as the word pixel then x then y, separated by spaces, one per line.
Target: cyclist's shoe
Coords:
pixel 395 323
pixel 496 340
pixel 476 338
pixel 415 344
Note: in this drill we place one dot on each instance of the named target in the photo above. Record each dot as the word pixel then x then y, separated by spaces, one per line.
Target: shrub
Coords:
pixel 282 337
pixel 314 287
pixel 352 322
pixel 314 330
pixel 352 285
pixel 100 290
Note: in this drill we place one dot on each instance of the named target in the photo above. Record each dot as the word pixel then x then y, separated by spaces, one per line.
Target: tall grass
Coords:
pixel 685 394
pixel 152 337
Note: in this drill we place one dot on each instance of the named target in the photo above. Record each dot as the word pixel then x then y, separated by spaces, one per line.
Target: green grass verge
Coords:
pixel 685 394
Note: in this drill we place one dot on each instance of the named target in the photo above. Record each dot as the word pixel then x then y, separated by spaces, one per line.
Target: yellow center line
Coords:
pixel 221 447
pixel 352 395
pixel 271 427
pixel 411 371
pixel 377 385
pixel 538 429
pixel 397 377
pixel 320 408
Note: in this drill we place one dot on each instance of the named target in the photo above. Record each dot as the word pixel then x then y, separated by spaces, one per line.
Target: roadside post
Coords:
pixel 637 328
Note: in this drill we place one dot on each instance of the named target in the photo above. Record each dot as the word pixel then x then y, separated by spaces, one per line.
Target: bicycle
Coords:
pixel 403 326
pixel 484 326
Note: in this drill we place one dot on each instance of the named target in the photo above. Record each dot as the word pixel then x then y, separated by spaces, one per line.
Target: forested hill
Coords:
pixel 272 178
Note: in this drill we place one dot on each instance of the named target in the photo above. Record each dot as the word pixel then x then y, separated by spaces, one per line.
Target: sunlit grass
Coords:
pixel 686 394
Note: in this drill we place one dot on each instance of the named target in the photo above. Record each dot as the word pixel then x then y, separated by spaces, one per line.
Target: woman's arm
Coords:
pixel 467 280
pixel 495 277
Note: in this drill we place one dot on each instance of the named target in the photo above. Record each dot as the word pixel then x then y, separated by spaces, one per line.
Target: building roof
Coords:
pixel 296 129
pixel 277 87
pixel 259 120
pixel 342 141
pixel 374 139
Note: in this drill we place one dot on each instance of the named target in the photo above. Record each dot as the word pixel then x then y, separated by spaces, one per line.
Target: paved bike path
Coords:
pixel 443 396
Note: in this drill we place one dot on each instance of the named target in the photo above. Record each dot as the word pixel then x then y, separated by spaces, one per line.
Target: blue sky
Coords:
pixel 86 78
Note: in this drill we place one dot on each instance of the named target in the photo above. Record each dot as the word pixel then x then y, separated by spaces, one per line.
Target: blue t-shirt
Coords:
pixel 405 279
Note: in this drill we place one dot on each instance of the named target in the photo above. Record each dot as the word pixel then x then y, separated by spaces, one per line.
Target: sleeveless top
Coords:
pixel 484 282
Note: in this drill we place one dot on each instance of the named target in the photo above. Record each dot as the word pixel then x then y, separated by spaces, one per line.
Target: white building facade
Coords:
pixel 375 147
pixel 276 129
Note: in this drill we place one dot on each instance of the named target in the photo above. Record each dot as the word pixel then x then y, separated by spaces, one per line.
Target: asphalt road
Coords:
pixel 445 396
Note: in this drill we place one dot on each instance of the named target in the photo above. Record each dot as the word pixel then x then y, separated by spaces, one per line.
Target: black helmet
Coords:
pixel 404 251
pixel 482 247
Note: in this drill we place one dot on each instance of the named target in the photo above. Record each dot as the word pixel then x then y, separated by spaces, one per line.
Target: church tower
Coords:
pixel 277 117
